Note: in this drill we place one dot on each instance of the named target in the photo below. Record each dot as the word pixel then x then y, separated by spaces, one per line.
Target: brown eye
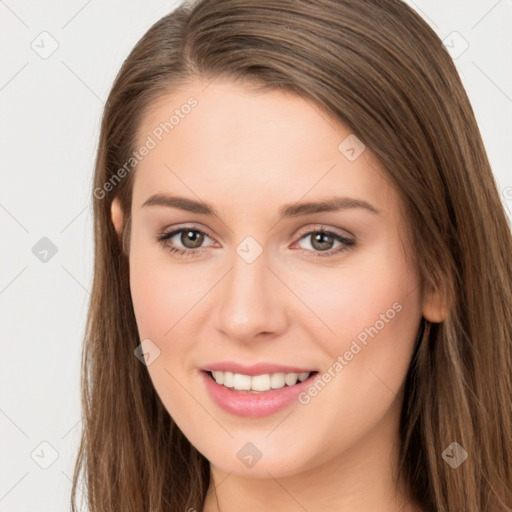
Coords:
pixel 186 241
pixel 322 241
pixel 326 243
pixel 191 239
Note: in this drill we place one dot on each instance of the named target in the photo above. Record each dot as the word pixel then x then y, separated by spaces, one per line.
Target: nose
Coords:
pixel 251 301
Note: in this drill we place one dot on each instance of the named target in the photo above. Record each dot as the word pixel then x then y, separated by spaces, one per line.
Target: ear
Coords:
pixel 434 309
pixel 116 214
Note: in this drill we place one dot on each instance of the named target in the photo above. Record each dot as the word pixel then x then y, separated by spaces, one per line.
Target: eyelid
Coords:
pixel 300 233
pixel 190 226
pixel 322 227
pixel 348 241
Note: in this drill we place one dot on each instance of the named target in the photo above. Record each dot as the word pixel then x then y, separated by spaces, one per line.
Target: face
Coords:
pixel 263 286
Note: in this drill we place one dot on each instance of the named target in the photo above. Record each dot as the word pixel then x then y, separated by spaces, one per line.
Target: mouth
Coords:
pixel 247 391
pixel 256 384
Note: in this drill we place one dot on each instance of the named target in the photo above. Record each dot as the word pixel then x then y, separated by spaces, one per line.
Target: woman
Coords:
pixel 302 287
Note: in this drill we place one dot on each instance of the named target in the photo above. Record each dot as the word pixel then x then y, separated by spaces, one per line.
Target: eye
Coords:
pixel 190 237
pixel 322 242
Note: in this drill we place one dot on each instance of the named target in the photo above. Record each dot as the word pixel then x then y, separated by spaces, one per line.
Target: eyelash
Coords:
pixel 348 243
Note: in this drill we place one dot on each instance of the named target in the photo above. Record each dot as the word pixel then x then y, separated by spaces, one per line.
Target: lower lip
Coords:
pixel 253 405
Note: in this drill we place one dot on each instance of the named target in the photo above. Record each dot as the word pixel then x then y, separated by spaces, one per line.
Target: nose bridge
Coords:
pixel 250 301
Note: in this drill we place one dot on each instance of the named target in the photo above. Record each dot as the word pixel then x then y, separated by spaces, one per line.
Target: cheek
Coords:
pixel 374 289
pixel 375 316
pixel 150 292
pixel 162 292
pixel 162 296
pixel 372 309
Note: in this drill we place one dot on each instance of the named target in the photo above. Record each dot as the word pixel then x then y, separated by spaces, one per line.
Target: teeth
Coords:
pixel 263 382
pixel 242 382
pixel 219 377
pixel 277 380
pixel 303 376
pixel 228 379
pixel 260 382
pixel 291 379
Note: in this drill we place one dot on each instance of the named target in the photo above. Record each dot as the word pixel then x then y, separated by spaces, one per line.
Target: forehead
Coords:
pixel 227 140
pixel 261 120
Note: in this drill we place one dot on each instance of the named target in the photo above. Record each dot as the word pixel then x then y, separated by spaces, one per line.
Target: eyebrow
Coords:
pixel 331 204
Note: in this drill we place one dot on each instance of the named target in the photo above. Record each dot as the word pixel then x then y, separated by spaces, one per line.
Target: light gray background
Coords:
pixel 51 109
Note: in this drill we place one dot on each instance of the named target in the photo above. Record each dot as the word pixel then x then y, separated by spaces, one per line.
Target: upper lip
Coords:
pixel 254 369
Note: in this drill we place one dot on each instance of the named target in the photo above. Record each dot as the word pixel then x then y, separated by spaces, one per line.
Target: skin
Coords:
pixel 248 153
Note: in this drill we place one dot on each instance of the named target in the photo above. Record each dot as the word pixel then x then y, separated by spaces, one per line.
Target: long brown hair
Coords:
pixel 379 68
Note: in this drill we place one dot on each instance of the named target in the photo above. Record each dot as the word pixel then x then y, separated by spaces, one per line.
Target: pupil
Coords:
pixel 191 239
pixel 322 239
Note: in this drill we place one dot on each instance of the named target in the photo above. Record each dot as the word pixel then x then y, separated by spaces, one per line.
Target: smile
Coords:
pixel 258 395
pixel 257 383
